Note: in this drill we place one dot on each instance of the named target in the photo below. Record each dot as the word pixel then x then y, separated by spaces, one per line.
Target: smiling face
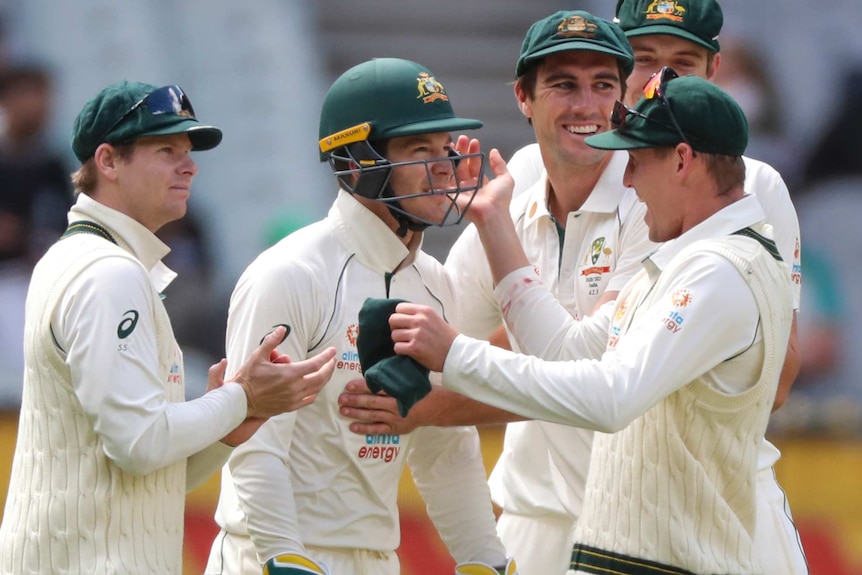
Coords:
pixel 154 181
pixel 654 51
pixel 573 97
pixel 650 172
pixel 421 177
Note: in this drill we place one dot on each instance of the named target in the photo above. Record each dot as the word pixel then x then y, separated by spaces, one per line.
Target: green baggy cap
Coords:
pixel 574 30
pixel 712 122
pixel 697 21
pixel 126 111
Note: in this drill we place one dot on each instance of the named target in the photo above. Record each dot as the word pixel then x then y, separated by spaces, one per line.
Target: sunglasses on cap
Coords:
pixel 164 100
pixel 654 88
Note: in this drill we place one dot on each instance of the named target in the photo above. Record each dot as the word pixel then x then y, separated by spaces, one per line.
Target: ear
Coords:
pixel 523 102
pixel 107 160
pixel 716 62
pixel 683 157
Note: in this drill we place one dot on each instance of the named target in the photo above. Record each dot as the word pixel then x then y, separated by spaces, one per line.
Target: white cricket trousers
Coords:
pixel 540 545
pixel 235 555
pixel 775 536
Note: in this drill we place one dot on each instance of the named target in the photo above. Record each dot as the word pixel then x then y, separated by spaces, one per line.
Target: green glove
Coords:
pixel 294 564
pixel 477 568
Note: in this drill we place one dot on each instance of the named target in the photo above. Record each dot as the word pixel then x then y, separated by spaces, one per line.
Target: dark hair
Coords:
pixel 33 74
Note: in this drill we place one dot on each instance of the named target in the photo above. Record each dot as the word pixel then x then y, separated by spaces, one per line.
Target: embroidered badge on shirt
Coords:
pixel 680 300
pixel 349 360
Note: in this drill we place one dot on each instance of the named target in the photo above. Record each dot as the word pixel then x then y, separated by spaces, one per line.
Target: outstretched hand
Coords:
pixel 215 379
pixel 273 384
pixel 419 332
pixel 493 198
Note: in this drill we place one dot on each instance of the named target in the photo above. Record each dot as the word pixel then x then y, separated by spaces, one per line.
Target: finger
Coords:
pixel 498 164
pixel 270 342
pixel 462 144
pixel 365 415
pixel 307 400
pixel 362 428
pixel 316 363
pixel 276 357
pixel 316 371
pixel 400 335
pixel 357 386
pixel 368 401
pixel 474 147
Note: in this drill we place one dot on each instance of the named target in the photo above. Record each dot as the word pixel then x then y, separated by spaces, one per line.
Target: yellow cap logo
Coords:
pixel 577 27
pixel 665 9
pixel 430 89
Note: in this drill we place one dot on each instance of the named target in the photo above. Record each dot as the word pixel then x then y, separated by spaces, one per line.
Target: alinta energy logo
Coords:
pixel 382 447
pixel 680 299
pixel 349 360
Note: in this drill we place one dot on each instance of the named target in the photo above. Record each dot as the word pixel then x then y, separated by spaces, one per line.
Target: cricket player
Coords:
pixel 684 35
pixel 584 232
pixel 306 495
pixel 107 447
pixel 696 341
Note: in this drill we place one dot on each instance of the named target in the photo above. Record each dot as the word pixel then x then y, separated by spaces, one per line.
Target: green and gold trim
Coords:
pixel 599 562
pixel 767 243
pixel 88 227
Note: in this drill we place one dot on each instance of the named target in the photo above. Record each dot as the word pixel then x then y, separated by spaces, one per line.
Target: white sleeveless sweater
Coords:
pixel 677 485
pixel 69 509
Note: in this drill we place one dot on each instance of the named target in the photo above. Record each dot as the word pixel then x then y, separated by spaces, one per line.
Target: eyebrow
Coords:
pixel 605 75
pixel 694 53
pixel 424 139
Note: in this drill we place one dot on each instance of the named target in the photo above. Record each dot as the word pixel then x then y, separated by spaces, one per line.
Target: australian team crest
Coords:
pixel 598 249
pixel 430 89
pixel 665 9
pixel 576 27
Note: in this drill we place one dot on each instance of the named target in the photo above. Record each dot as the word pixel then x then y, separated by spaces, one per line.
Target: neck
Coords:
pixel 704 209
pixel 570 185
pixel 382 211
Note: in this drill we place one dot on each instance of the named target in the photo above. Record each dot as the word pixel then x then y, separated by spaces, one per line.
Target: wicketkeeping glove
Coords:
pixel 476 568
pixel 294 564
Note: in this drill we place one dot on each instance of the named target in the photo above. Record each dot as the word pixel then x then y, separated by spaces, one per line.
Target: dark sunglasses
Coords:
pixel 654 88
pixel 165 100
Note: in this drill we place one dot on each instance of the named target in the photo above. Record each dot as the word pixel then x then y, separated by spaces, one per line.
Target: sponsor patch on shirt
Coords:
pixel 383 447
pixel 680 299
pixel 616 324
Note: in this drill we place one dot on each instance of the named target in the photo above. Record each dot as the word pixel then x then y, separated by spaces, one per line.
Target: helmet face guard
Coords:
pixel 362 171
pixel 377 101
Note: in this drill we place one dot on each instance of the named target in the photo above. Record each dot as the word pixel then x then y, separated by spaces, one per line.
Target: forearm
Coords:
pixel 500 241
pixel 542 327
pixel 447 468
pixel 446 408
pixel 790 369
pixel 151 440
pixel 265 494
pixel 203 464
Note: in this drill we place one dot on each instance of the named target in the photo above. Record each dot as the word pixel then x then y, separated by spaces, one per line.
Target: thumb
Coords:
pixel 215 375
pixel 270 342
